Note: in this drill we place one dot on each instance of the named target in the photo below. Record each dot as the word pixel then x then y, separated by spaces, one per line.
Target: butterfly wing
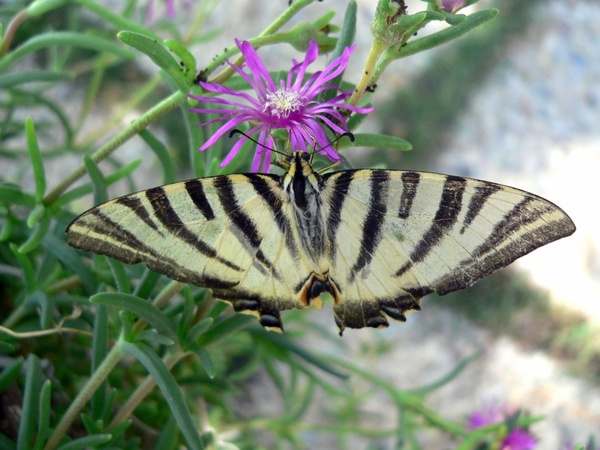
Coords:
pixel 397 236
pixel 228 233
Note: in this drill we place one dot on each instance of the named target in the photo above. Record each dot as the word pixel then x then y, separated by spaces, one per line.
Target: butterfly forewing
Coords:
pixel 375 240
pixel 417 232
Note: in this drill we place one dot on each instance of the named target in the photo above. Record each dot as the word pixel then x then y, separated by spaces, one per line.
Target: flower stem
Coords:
pixel 375 52
pixel 135 127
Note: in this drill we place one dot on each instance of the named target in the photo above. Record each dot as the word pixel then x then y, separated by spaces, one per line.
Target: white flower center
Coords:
pixel 282 103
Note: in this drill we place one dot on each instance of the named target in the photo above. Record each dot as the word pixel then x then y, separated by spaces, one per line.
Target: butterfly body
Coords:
pixel 376 241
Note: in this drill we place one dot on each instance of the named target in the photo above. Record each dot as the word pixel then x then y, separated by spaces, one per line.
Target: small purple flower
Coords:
pixel 516 439
pixel 451 6
pixel 291 106
pixel 170 10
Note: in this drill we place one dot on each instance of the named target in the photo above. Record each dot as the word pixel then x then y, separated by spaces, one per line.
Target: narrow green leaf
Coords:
pixel 290 345
pixel 5 224
pixel 36 215
pixel 456 371
pixel 375 141
pixel 168 436
pixel 225 328
pixel 40 7
pixel 206 361
pixel 185 56
pixel 10 373
pixel 71 259
pixel 29 412
pixel 99 352
pixel 120 274
pixel 86 442
pixel 26 267
pixel 194 332
pixel 44 415
pixel 154 338
pixel 37 164
pixel 98 181
pixel 347 35
pixel 157 53
pixel 13 195
pixel 167 384
pixel 35 238
pixel 66 38
pixel 140 308
pixel 87 188
pixel 12 79
pixel 161 152
pixel 441 37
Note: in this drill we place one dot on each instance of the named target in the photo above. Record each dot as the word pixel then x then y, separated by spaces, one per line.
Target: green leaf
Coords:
pixel 98 180
pixel 225 328
pixel 157 53
pixel 11 79
pixel 140 308
pixel 36 215
pixel 86 189
pixel 120 274
pixel 162 153
pixel 152 337
pixel 441 37
pixel 26 266
pixel 67 38
pixel 10 373
pixel 206 362
pixel 37 164
pixel 170 390
pixel 13 195
pixel 185 56
pixel 99 352
pixel 86 442
pixel 44 415
pixel 345 40
pixel 194 332
pixel 375 140
pixel 70 258
pixel 289 345
pixel 39 233
pixel 29 413
pixel 40 7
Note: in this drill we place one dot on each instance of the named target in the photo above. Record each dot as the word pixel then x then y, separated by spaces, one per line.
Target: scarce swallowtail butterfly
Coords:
pixel 376 241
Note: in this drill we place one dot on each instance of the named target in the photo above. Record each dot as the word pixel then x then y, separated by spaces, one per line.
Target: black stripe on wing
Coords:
pixel 410 184
pixel 445 218
pixel 169 218
pixel 339 191
pixel 373 222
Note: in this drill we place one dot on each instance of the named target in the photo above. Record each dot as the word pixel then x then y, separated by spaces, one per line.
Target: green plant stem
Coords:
pixel 96 380
pixel 136 126
pixel 375 52
pixel 405 399
pixel 11 30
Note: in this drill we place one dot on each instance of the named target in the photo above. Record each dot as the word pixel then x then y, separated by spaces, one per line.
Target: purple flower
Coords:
pixel 292 105
pixel 451 6
pixel 516 439
pixel 170 10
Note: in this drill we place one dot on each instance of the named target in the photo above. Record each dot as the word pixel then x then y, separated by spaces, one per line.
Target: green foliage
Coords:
pixel 98 354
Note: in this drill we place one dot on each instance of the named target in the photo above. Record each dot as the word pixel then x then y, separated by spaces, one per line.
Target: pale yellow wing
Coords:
pixel 231 234
pixel 398 235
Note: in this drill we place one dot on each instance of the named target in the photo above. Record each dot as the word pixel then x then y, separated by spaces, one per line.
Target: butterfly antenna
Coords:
pixel 236 131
